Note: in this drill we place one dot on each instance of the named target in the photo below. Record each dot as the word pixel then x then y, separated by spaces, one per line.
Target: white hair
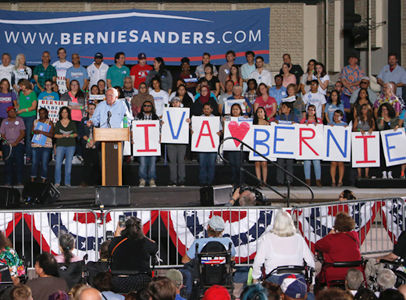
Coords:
pixel 18 58
pixel 283 225
pixel 386 279
pixel 115 92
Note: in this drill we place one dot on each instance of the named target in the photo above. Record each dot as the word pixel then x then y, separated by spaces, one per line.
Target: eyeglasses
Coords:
pixel 147 106
pixel 364 82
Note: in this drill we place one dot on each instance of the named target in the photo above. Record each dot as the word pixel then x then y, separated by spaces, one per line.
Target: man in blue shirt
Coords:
pixel 278 91
pixel 77 72
pixel 215 230
pixel 393 72
pixel 110 113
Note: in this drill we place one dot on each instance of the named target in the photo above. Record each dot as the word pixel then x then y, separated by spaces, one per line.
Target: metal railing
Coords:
pixel 242 169
pixel 378 223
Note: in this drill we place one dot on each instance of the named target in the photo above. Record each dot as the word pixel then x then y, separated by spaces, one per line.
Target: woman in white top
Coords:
pixel 20 71
pixel 322 77
pixel 281 246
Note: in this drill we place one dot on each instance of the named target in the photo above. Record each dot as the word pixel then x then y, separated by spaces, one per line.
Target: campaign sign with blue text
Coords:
pixel 175 127
pixel 337 143
pixel 261 136
pixel 393 144
pixel 284 141
pixel 168 34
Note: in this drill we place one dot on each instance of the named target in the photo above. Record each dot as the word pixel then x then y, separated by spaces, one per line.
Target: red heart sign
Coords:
pixel 238 130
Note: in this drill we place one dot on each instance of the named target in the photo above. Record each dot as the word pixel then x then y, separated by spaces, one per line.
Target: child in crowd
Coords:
pixel 364 122
pixel 48 94
pixel 207 160
pixel 286 116
pixel 260 118
pixel 337 121
pixel 311 118
pixel 298 108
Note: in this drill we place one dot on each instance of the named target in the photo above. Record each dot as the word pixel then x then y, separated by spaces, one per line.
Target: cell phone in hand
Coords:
pixel 121 220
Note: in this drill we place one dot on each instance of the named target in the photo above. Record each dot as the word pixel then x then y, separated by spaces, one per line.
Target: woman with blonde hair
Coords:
pixel 281 246
pixel 20 71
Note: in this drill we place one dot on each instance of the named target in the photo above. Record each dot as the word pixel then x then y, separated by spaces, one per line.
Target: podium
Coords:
pixel 112 153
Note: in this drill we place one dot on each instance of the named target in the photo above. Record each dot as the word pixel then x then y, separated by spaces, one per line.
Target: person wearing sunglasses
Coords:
pixel 364 84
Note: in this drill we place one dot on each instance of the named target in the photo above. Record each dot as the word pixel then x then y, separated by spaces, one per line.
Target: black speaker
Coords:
pixel 43 193
pixel 9 197
pixel 112 196
pixel 206 196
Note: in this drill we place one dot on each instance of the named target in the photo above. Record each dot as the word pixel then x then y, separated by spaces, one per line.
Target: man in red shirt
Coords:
pixel 140 71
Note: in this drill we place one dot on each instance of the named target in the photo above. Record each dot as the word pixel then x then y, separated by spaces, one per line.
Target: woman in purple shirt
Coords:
pixel 7 98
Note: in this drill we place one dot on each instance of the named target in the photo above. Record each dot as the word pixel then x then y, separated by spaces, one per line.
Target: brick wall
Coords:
pixel 286 24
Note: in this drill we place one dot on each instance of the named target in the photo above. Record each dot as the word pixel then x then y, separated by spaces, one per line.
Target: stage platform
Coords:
pixel 161 197
pixel 188 196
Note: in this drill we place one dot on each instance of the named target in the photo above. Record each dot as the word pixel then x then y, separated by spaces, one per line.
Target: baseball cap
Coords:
pixel 10 108
pixel 142 55
pixel 175 276
pixel 175 99
pixel 293 285
pixel 216 292
pixel 98 55
pixel 365 78
pixel 185 60
pixel 217 223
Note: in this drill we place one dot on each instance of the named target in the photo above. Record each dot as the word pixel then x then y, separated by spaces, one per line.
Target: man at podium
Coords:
pixel 110 113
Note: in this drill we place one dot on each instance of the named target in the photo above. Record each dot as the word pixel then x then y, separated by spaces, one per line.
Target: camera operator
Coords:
pixel 245 196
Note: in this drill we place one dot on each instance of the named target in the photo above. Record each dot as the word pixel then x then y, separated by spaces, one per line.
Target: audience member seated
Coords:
pixel 399 249
pixel 391 294
pixel 88 293
pixel 130 253
pixel 245 198
pixel 386 279
pixel 346 195
pixel 161 289
pixel 294 286
pixel 21 292
pixel 70 265
pixel 365 294
pixel 103 283
pixel 177 278
pixel 216 292
pixel 353 280
pixel 102 265
pixel 48 281
pixel 340 245
pixel 280 247
pixel 9 257
pixel 59 295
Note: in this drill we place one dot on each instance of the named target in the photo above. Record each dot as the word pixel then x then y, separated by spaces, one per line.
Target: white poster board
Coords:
pixel 261 142
pixel 204 136
pixel 284 140
pixel 53 108
pixel 311 141
pixel 175 128
pixel 228 103
pixel 146 138
pixel 337 141
pixel 240 128
pixel 365 149
pixel 393 146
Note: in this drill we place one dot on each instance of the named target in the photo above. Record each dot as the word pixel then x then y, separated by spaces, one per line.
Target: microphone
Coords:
pixel 108 119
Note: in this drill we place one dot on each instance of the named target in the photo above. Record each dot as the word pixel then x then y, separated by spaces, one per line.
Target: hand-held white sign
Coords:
pixel 365 149
pixel 175 128
pixel 205 137
pixel 146 138
pixel 261 136
pixel 393 146
pixel 240 128
pixel 337 141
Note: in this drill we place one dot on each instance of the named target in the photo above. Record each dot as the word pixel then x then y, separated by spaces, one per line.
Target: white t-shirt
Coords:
pixel 323 79
pixel 6 72
pixel 264 77
pixel 160 99
pixel 95 74
pixel 61 68
pixel 317 99
pixel 275 251
pixel 24 73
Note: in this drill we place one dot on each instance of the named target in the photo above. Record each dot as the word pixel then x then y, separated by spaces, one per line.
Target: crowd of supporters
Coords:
pixel 291 96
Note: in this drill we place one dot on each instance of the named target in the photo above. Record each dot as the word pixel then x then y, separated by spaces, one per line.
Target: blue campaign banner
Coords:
pixel 169 34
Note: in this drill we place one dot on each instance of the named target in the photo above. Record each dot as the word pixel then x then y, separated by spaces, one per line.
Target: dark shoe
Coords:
pixel 340 184
pixel 333 184
pixel 308 182
pixel 318 183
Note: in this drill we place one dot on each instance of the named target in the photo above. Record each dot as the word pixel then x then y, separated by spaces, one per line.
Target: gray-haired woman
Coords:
pixel 281 246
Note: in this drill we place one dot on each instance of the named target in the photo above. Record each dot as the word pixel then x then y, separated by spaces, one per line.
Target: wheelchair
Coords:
pixel 73 273
pixel 398 267
pixel 213 265
pixel 305 270
pixel 338 264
